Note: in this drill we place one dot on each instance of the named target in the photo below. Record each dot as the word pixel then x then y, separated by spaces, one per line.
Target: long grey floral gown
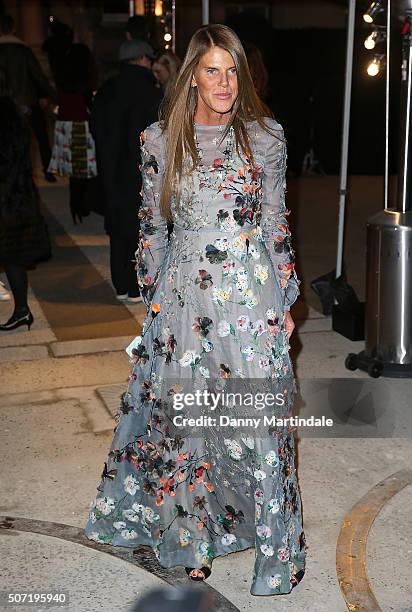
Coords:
pixel 216 291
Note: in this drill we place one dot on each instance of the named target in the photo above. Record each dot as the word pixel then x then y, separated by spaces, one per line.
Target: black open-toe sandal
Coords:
pixel 198 574
pixel 296 578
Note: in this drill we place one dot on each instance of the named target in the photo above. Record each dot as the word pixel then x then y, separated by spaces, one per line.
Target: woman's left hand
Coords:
pixel 289 323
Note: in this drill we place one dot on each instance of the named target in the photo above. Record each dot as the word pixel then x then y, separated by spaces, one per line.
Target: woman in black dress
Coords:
pixel 23 233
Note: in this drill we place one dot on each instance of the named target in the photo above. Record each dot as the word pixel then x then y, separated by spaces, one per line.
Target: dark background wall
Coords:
pixel 307 72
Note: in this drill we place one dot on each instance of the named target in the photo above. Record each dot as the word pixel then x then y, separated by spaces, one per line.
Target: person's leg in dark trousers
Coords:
pixel 39 126
pixel 117 268
pixel 122 266
pixel 132 285
pixel 78 198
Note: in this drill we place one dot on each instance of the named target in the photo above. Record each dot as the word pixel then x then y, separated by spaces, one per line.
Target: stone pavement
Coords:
pixel 60 387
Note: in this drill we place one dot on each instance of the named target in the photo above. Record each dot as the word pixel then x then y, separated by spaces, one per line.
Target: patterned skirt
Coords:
pixel 73 152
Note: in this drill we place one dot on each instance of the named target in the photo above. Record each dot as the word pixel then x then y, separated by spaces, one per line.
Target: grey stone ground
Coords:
pixel 57 401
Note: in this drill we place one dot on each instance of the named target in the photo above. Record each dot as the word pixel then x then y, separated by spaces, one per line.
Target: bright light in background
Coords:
pixel 159 8
pixel 139 7
pixel 167 37
pixel 51 18
pixel 374 10
pixel 374 67
pixel 370 42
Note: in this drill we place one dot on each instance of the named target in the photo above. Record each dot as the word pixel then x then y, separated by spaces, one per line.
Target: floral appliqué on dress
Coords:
pixel 216 292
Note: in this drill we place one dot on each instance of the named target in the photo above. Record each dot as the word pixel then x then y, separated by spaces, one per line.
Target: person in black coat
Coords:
pixel 123 107
pixel 28 85
pixel 23 234
pixel 56 46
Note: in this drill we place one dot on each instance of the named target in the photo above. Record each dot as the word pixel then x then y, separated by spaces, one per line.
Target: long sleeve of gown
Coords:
pixel 275 228
pixel 152 244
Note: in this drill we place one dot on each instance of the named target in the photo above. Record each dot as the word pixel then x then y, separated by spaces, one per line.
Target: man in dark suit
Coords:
pixel 123 107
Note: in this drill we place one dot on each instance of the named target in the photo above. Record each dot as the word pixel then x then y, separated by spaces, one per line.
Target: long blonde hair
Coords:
pixel 179 110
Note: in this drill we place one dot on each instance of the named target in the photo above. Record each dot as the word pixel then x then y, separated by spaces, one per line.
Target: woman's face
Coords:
pixel 161 73
pixel 215 77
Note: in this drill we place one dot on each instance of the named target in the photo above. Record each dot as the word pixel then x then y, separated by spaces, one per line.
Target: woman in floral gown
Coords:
pixel 218 293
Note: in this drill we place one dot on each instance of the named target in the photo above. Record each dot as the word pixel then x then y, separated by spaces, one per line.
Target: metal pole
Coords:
pixel 388 72
pixel 205 12
pixel 405 157
pixel 174 26
pixel 345 135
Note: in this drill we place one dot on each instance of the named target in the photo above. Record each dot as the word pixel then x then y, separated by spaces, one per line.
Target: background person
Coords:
pixel 166 68
pixel 28 85
pixel 137 28
pixel 23 234
pixel 57 45
pixel 74 152
pixel 123 107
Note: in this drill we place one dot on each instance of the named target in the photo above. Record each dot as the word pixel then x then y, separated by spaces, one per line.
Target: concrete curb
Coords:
pixel 142 557
pixel 85 347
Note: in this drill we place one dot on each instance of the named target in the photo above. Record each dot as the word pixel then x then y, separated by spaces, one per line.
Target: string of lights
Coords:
pixel 376 65
pixel 376 38
pixel 168 23
pixel 373 11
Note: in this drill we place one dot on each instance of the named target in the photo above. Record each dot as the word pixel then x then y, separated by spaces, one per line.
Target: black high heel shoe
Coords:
pixel 198 575
pixel 17 320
